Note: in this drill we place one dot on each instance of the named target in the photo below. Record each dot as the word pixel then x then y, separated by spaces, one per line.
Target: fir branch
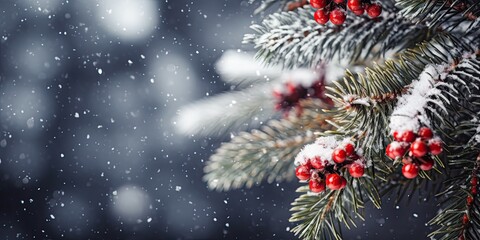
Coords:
pixel 396 186
pixel 220 114
pixel 248 108
pixel 322 216
pixel 368 96
pixel 460 217
pixel 437 12
pixel 240 70
pixel 463 74
pixel 365 102
pixel 294 39
pixel 265 154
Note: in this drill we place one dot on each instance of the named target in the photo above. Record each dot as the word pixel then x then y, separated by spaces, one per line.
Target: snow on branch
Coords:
pixel 294 39
pixel 366 101
pixel 437 12
pixel 239 110
pixel 265 89
pixel 264 154
pixel 239 68
pixel 436 86
pixel 411 110
pixel 324 148
pixel 229 111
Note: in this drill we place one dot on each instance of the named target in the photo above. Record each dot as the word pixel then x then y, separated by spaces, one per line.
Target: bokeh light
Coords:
pixel 128 19
pixel 41 6
pixel 71 216
pixel 25 108
pixel 23 162
pixel 131 204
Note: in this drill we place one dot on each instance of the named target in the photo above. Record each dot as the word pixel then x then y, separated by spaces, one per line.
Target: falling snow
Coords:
pixel 89 99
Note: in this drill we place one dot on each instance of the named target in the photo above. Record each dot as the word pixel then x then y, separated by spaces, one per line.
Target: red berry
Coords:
pixel 374 10
pixel 308 164
pixel 465 219
pixel 321 16
pixel 349 149
pixel 418 148
pixel 359 12
pixel 395 149
pixel 339 155
pixel 425 133
pixel 399 151
pixel 397 136
pixel 334 181
pixel 354 5
pixel 435 147
pixel 410 170
pixel 316 186
pixel 469 200
pixel 474 181
pixel 460 6
pixel 473 190
pixel 427 164
pixel 356 170
pixel 408 136
pixel 337 16
pixel 277 94
pixel 317 163
pixel 338 1
pixel 302 172
pixel 291 88
pixel 389 151
pixel 318 3
pixel 344 183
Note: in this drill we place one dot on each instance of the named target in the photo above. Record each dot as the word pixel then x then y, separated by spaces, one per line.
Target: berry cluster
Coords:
pixel 289 95
pixel 323 171
pixel 471 197
pixel 420 148
pixel 334 10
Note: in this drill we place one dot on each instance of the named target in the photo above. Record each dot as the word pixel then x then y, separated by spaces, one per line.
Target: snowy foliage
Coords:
pixel 411 110
pixel 228 111
pixel 240 68
pixel 323 148
pixel 294 39
pixel 253 105
pixel 427 96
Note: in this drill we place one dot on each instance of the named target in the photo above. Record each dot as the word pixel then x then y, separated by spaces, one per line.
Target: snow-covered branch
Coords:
pixel 294 39
pixel 436 86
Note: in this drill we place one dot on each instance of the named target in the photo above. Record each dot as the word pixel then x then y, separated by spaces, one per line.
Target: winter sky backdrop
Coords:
pixel 89 91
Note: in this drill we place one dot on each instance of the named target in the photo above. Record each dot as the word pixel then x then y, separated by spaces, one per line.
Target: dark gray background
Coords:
pixel 90 154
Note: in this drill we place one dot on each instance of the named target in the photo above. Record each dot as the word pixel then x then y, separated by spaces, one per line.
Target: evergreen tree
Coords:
pixel 404 118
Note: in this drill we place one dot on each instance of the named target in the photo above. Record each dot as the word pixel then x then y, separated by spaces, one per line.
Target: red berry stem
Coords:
pixel 470 198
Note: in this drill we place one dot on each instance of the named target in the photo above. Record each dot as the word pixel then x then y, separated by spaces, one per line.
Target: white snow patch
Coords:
pixel 128 19
pixel 323 148
pixel 410 112
pixel 304 77
pixel 237 67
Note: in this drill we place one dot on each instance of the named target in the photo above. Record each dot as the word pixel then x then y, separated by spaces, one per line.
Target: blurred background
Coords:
pixel 88 149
